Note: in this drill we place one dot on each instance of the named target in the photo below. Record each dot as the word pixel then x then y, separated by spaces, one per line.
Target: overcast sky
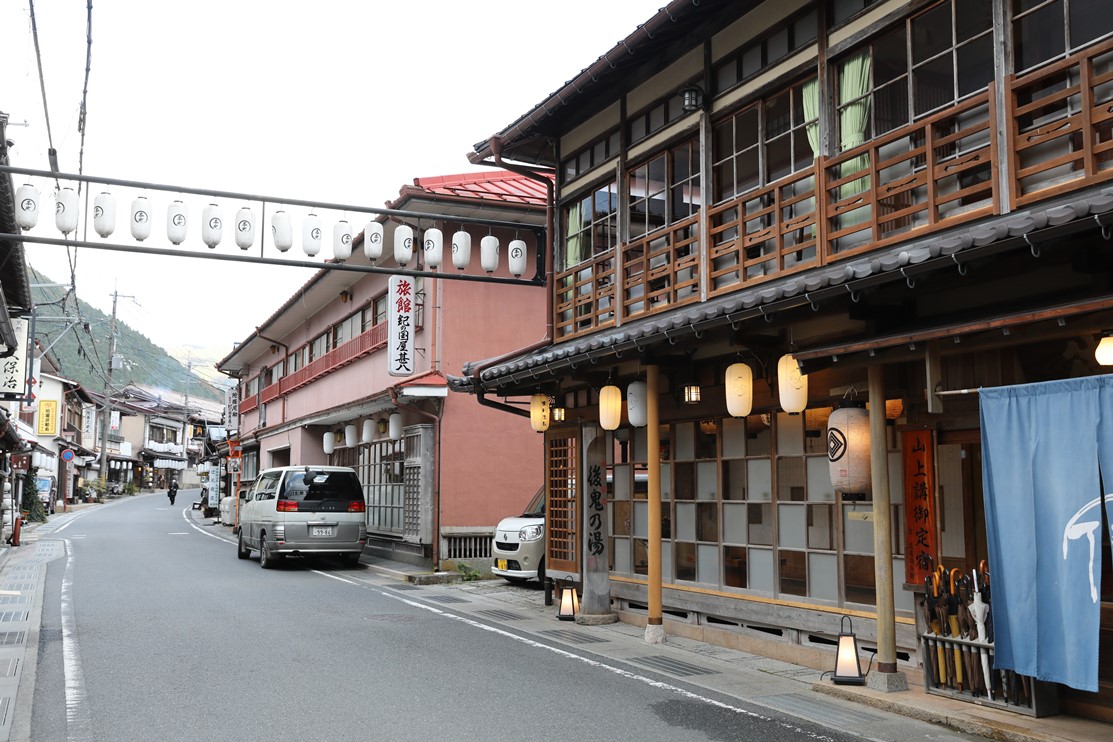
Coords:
pixel 332 101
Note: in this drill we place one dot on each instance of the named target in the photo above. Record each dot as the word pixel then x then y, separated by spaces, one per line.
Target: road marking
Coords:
pixel 178 533
pixel 335 577
pixel 78 718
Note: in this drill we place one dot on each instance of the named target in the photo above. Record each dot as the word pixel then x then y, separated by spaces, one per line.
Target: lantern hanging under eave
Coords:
pixel 489 253
pixel 792 386
pixel 351 435
pixel 282 231
pixel 311 235
pixel 328 442
pixel 212 225
pixel 539 406
pixel 140 218
pixel 461 249
pixel 739 389
pixel 177 222
pixel 65 210
pixel 637 404
pixel 610 407
pixel 395 426
pixel 848 447
pixel 342 240
pixel 368 432
pixel 433 247
pixel 245 228
pixel 373 241
pixel 516 257
pixel 104 214
pixel 403 244
pixel 27 206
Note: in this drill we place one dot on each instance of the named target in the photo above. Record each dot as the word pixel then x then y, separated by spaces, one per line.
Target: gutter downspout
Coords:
pixel 285 355
pixel 436 538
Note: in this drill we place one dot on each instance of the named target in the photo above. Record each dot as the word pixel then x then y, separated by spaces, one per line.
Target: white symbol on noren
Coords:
pixel 1076 530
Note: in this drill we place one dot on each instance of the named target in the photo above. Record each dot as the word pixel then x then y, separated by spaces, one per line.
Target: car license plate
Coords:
pixel 320 531
pixel 502 564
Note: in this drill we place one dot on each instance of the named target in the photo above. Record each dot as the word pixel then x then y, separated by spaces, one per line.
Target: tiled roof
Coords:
pixel 488 186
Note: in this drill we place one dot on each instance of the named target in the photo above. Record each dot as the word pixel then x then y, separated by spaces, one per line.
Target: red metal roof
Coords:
pixel 498 185
pixel 429 378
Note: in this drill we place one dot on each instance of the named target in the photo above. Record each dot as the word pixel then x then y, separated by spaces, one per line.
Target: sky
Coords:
pixel 344 104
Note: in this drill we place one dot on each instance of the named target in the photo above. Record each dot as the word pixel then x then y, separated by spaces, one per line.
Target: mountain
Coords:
pixel 77 335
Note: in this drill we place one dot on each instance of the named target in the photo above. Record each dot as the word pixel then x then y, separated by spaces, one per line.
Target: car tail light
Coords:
pixel 356 506
pixel 287 506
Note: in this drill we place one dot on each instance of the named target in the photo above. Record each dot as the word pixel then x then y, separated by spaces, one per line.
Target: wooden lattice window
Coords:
pixel 561 463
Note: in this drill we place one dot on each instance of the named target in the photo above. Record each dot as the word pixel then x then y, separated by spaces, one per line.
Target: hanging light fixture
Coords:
pixel 610 407
pixel 65 211
pixel 212 225
pixel 245 228
pixel 433 246
pixel 539 407
pixel 383 425
pixel 395 423
pixel 282 231
pixel 739 385
pixel 104 214
pixel 368 431
pixel 27 215
pixel 461 249
pixel 177 222
pixel 691 393
pixel 569 601
pixel 373 241
pixel 637 404
pixel 328 442
pixel 311 235
pixel 848 666
pixel 342 240
pixel 516 257
pixel 894 408
pixel 489 253
pixel 1104 353
pixel 691 98
pixel 140 218
pixel 792 386
pixel 848 447
pixel 351 437
pixel 403 244
pixel 558 414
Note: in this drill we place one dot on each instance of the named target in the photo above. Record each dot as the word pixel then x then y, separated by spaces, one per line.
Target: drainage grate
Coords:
pixel 18 586
pixel 50 635
pixel 822 711
pixel 501 615
pixel 404 586
pixel 391 617
pixel 11 638
pixel 5 706
pixel 13 616
pixel 447 599
pixel 671 666
pixel 8 668
pixel 573 637
pixel 13 599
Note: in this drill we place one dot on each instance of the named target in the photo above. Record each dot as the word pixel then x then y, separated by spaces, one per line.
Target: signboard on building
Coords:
pixel 232 408
pixel 48 418
pixel 13 369
pixel 400 307
pixel 919 505
pixel 88 422
pixel 114 423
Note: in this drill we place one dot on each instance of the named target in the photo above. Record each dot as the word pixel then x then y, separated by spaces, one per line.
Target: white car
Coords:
pixel 303 510
pixel 519 548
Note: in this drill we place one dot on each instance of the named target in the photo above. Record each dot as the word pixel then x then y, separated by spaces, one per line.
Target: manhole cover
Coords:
pixel 391 617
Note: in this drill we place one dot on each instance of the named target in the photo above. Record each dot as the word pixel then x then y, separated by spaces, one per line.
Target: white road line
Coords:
pixel 78 719
pixel 199 529
pixel 335 577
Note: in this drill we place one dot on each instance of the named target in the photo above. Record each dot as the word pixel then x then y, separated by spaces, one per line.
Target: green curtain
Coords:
pixel 574 231
pixel 854 109
pixel 810 95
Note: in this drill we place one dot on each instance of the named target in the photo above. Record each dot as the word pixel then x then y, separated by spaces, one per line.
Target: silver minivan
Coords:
pixel 303 510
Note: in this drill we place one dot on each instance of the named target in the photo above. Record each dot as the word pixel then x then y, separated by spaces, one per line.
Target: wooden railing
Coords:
pixel 661 269
pixel 585 299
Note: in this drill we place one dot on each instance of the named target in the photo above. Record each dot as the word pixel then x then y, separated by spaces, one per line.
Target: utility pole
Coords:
pixel 108 392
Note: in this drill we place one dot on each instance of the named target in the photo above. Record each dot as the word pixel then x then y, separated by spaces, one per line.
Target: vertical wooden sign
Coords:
pixel 920 548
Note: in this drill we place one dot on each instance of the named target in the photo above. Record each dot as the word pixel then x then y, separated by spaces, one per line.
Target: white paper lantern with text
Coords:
pixel 539 407
pixel 489 253
pixel 351 437
pixel 140 218
pixel 516 257
pixel 328 442
pixel 848 448
pixel 739 389
pixel 792 386
pixel 65 210
pixel 637 404
pixel 610 407
pixel 104 214
pixel 245 228
pixel 373 241
pixel 403 244
pixel 27 206
pixel 461 249
pixel 394 426
pixel 311 235
pixel 433 247
pixel 177 222
pixel 282 231
pixel 212 225
pixel 342 240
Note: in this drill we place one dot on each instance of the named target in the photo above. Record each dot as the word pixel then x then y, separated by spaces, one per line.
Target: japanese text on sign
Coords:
pixel 400 306
pixel 13 369
pixel 595 509
pixel 919 505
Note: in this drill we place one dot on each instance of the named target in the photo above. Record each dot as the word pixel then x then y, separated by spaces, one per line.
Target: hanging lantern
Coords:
pixel 104 214
pixel 539 406
pixel 368 431
pixel 65 211
pixel 637 404
pixel 461 249
pixel 739 389
pixel 27 214
pixel 434 247
pixel 245 228
pixel 403 244
pixel 311 235
pixel 691 393
pixel 489 253
pixel 848 447
pixel 373 241
pixel 516 257
pixel 557 414
pixel 351 437
pixel 212 225
pixel 342 240
pixel 282 231
pixel 328 442
pixel 1103 354
pixel 792 386
pixel 140 218
pixel 395 426
pixel 176 222
pixel 610 407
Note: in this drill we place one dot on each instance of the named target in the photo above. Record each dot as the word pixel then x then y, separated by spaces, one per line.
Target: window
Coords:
pixel 275 372
pixel 655 118
pixel 385 485
pixel 590 156
pixel 295 360
pixel 591 224
pixel 320 345
pixel 844 10
pixel 1047 29
pixel 665 189
pixel 752 58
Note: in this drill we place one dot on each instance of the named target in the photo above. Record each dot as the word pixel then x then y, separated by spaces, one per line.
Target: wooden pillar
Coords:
pixel 882 526
pixel 654 628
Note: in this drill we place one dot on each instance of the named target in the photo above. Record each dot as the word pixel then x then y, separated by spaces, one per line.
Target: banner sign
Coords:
pixel 88 422
pixel 115 420
pixel 48 417
pixel 232 408
pixel 13 369
pixel 400 300
pixel 919 506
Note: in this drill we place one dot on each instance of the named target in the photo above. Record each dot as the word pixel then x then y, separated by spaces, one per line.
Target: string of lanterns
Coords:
pixel 353 436
pixel 66 218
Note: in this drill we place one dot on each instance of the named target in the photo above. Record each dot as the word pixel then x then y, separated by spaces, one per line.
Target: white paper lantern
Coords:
pixel 739 389
pixel 65 210
pixel 245 228
pixel 792 386
pixel 373 241
pixel 282 231
pixel 311 235
pixel 461 249
pixel 212 225
pixel 140 218
pixel 848 448
pixel 610 407
pixel 516 257
pixel 539 412
pixel 342 240
pixel 433 247
pixel 368 431
pixel 177 222
pixel 27 206
pixel 637 404
pixel 489 253
pixel 403 244
pixel 395 426
pixel 104 214
pixel 328 442
pixel 351 437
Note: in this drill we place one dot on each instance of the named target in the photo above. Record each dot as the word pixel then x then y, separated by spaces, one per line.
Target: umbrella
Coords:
pixel 979 609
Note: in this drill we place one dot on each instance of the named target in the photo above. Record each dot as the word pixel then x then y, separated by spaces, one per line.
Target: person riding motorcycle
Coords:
pixel 172 492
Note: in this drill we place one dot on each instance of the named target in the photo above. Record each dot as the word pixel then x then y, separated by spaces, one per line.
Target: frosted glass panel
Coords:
pixel 622 556
pixel 734 438
pixel 896 478
pixel 641 519
pixel 685 442
pixel 621 485
pixel 666 481
pixel 707 564
pixel 666 561
pixel 760 481
pixel 790 434
pixel 902 599
pixel 792 526
pixel 641 444
pixel 761 570
pixel 734 479
pixel 821 527
pixel 857 534
pixel 819 480
pixel 685 521
pixel 734 523
pixel 706 481
pixel 823 576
